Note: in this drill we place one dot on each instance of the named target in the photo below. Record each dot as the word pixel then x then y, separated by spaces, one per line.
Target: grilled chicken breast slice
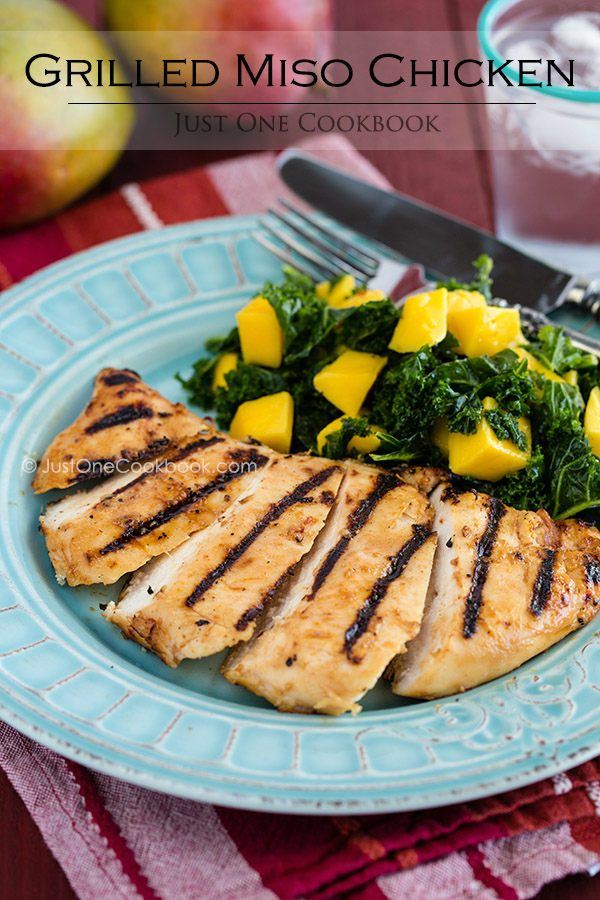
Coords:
pixel 354 603
pixel 125 420
pixel 99 535
pixel 506 585
pixel 208 594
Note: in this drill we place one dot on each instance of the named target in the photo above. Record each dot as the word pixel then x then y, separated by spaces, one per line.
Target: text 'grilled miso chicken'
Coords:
pixel 125 421
pixel 354 603
pixel 208 594
pixel 506 585
pixel 99 535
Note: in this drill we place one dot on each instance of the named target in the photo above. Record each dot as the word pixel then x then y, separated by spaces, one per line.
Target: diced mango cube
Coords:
pixel 347 381
pixel 322 289
pixel 462 299
pixel 572 377
pixel 366 444
pixel 369 443
pixel 343 288
pixel 440 436
pixel 483 455
pixel 268 419
pixel 423 322
pixel 261 335
pixel 486 330
pixel 360 297
pixel 535 365
pixel 591 420
pixel 225 363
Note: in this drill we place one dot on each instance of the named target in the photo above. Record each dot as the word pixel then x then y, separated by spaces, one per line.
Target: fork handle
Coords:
pixel 585 295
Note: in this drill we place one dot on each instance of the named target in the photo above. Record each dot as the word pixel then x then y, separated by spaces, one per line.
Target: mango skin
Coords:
pixel 227 362
pixel 423 323
pixel 482 455
pixel 591 420
pixel 269 419
pixel 347 380
pixel 261 335
pixel 485 331
pixel 51 153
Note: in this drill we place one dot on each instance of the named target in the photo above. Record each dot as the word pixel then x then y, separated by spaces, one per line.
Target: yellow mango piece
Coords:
pixel 423 322
pixel 268 419
pixel 225 363
pixel 322 289
pixel 343 288
pixel 591 420
pixel 361 297
pixel 536 366
pixel 347 381
pixel 486 330
pixel 572 377
pixel 483 455
pixel 440 436
pixel 369 443
pixel 461 299
pixel 261 335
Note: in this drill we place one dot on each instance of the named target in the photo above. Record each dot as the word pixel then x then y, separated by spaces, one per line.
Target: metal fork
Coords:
pixel 301 240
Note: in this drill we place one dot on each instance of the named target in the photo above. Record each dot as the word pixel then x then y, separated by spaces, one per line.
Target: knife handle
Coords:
pixel 585 295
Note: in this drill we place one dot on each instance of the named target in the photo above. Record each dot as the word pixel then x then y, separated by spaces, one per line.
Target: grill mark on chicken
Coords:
pixel 126 376
pixel 298 495
pixel 485 545
pixel 254 612
pixel 132 532
pixel 543 583
pixel 356 521
pixel 122 416
pixel 592 570
pixel 397 566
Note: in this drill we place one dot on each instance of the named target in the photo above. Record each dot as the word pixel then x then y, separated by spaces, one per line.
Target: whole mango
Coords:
pixel 52 148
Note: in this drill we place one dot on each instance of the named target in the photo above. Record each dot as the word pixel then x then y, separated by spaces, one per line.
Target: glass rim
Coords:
pixel 486 22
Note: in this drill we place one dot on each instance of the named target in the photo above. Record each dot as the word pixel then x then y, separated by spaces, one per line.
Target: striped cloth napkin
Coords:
pixel 113 839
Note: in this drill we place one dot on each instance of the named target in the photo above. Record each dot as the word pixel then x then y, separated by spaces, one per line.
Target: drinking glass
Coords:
pixel 545 157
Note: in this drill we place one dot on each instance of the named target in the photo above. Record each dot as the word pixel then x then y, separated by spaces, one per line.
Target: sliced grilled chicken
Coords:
pixel 354 603
pixel 124 421
pixel 208 594
pixel 99 535
pixel 506 585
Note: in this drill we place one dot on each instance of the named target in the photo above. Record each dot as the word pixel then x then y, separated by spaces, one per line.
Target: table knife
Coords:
pixel 444 245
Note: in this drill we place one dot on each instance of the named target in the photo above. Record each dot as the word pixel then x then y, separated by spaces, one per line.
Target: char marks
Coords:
pixel 298 495
pixel 144 527
pixel 543 583
pixel 380 589
pixel 592 570
pixel 125 376
pixel 485 546
pixel 357 519
pixel 131 412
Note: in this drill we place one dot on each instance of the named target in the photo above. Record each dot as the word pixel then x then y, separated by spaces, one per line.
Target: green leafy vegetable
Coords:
pixel 556 351
pixel 506 427
pixel 336 443
pixel 481 282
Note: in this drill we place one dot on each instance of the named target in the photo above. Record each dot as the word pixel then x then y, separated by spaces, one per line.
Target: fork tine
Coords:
pixel 346 264
pixel 304 252
pixel 312 271
pixel 342 243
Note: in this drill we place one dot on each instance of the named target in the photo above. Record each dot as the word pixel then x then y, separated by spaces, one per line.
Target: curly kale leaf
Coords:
pixel 336 443
pixel 556 351
pixel 369 327
pixel 246 382
pixel 506 427
pixel 482 281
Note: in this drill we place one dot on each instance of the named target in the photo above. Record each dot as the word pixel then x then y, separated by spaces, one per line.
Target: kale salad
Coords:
pixel 448 379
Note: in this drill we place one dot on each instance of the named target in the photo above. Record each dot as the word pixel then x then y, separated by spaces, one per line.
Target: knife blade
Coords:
pixel 444 245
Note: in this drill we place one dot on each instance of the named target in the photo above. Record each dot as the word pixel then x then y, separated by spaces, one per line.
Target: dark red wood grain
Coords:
pixel 455 180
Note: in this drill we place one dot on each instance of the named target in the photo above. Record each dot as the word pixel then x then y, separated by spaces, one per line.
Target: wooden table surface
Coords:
pixel 455 180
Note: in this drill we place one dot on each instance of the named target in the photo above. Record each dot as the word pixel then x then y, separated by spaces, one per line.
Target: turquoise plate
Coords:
pixel 69 680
